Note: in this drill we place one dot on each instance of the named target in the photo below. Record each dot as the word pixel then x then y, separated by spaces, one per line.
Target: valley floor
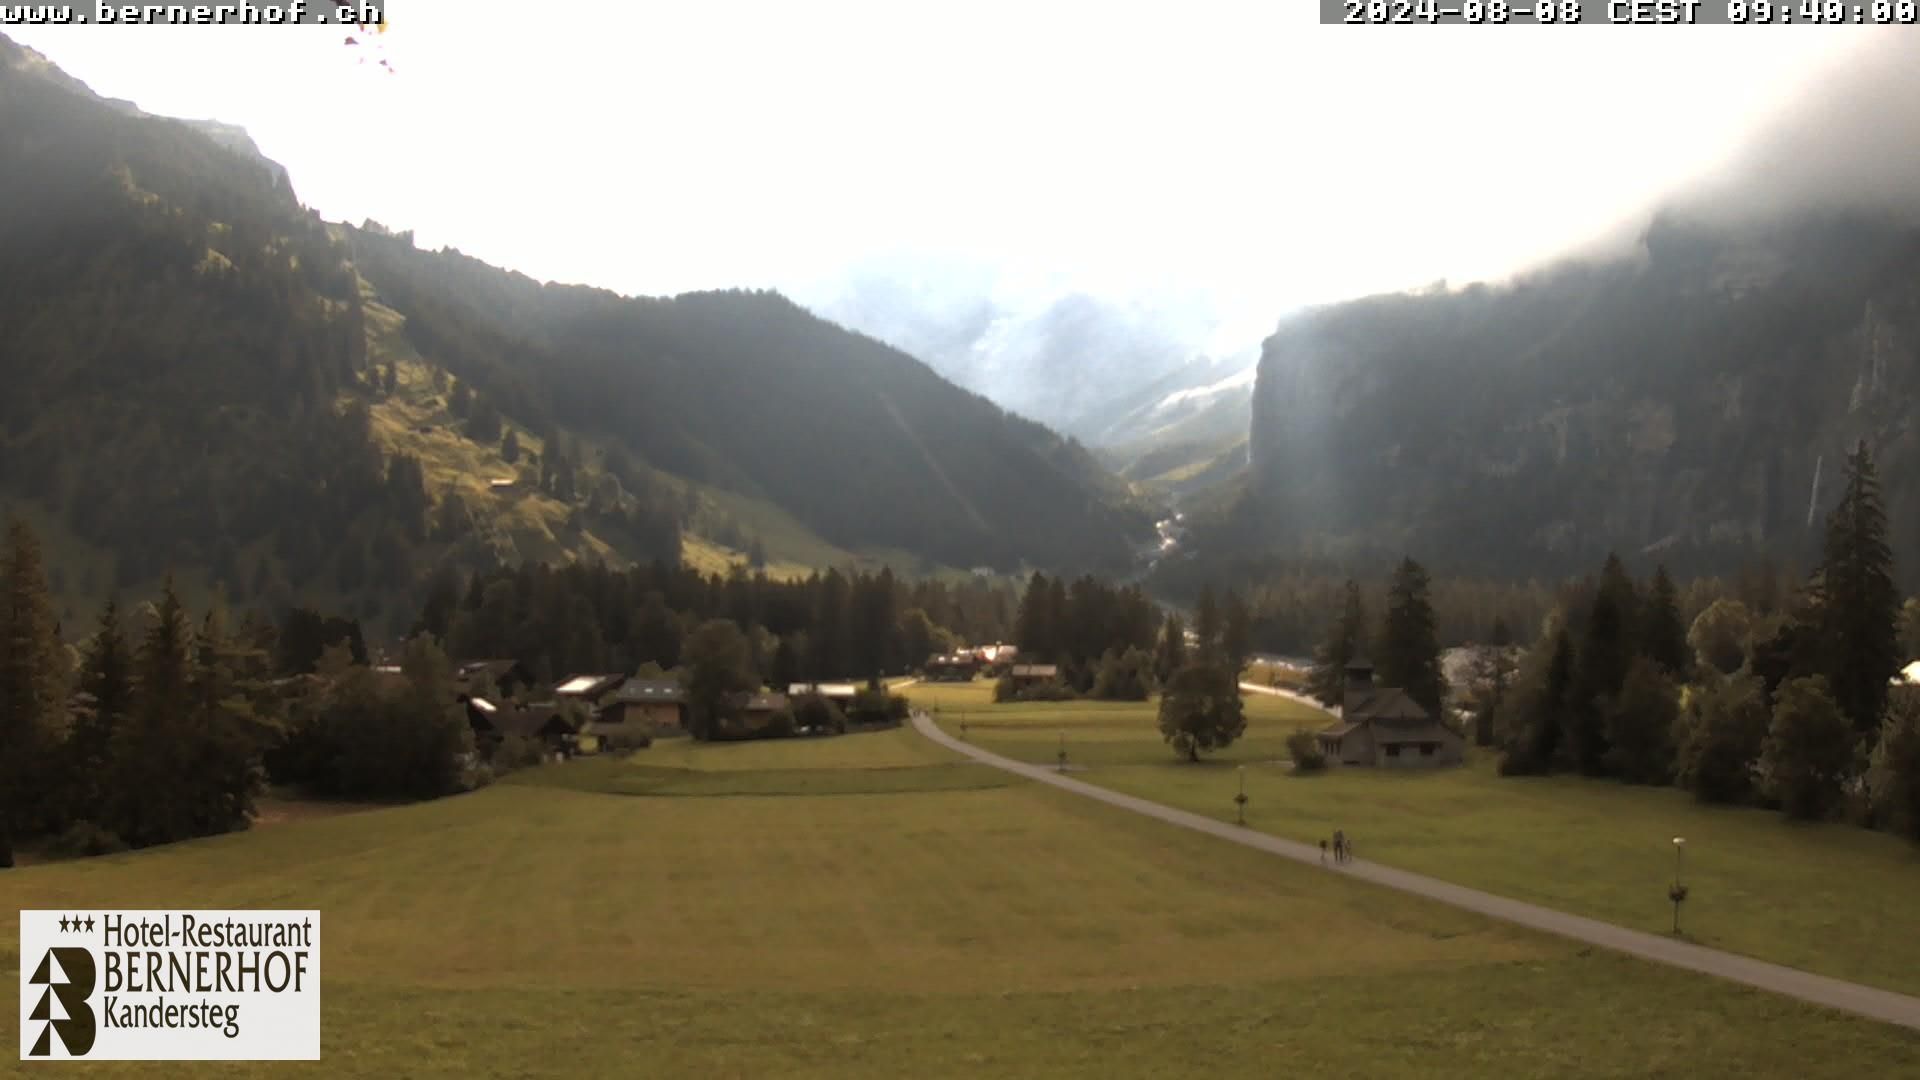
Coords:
pixel 1822 898
pixel 715 911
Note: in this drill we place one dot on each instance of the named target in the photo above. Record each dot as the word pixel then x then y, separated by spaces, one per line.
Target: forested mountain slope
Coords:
pixel 1690 404
pixel 203 376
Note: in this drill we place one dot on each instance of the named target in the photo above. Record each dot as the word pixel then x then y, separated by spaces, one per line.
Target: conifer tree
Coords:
pixel 1409 651
pixel 1859 605
pixel 1344 641
pixel 1208 628
pixel 106 676
pixel 1170 651
pixel 151 752
pixel 1606 649
pixel 1663 636
pixel 1236 635
pixel 32 688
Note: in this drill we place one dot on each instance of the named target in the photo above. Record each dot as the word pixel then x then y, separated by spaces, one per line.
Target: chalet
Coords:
pixel 841 694
pixel 546 723
pixel 507 677
pixel 659 704
pixel 1382 726
pixel 751 715
pixel 590 690
pixel 951 667
pixel 1029 675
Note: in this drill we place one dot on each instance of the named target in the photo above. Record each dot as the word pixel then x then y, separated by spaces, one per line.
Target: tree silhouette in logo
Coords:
pixel 76 1031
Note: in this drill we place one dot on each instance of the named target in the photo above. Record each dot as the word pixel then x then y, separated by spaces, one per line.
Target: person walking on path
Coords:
pixel 1339 846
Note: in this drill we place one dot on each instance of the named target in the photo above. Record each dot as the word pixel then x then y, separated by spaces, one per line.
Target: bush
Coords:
pixel 779 726
pixel 1124 676
pixel 1308 756
pixel 517 752
pixel 877 708
pixel 85 838
pixel 815 713
pixel 1003 689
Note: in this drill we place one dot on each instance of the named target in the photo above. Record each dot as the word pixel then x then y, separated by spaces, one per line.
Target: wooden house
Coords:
pixel 660 704
pixel 508 678
pixel 1025 676
pixel 1383 727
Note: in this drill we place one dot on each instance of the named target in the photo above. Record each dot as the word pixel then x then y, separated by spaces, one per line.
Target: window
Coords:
pixel 1426 749
pixel 1393 750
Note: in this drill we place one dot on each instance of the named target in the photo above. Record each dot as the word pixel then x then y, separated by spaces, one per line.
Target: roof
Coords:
pixel 764 702
pixel 588 686
pixel 826 689
pixel 1036 671
pixel 1388 704
pixel 1386 735
pixel 1338 730
pixel 652 690
pixel 490 668
pixel 953 658
pixel 483 705
pixel 1908 674
pixel 533 721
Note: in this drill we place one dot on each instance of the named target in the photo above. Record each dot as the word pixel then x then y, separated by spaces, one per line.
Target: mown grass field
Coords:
pixel 1827 898
pixel 542 927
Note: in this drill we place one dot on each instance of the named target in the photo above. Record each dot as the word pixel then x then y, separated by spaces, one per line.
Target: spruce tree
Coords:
pixel 32 689
pixel 1208 628
pixel 1606 649
pixel 1663 636
pixel 1807 751
pixel 1409 650
pixel 1170 652
pixel 1344 641
pixel 151 752
pixel 1859 608
pixel 1236 635
pixel 106 676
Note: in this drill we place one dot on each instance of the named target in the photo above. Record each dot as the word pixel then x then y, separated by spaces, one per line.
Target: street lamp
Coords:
pixel 1240 800
pixel 1063 751
pixel 1678 891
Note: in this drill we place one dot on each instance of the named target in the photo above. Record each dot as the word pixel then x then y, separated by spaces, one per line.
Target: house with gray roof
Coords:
pixel 1383 727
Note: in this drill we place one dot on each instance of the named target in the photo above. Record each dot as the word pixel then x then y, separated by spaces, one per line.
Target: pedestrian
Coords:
pixel 1339 846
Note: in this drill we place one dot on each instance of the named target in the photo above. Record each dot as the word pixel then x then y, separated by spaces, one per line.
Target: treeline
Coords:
pixel 1293 601
pixel 1112 642
pixel 1793 709
pixel 836 625
pixel 1403 648
pixel 162 727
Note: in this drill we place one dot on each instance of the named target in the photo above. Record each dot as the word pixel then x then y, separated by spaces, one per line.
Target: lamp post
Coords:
pixel 963 727
pixel 1240 800
pixel 1063 751
pixel 1678 892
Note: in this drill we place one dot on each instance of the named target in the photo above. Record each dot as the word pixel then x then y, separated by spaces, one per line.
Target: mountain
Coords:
pixel 1688 402
pixel 1081 364
pixel 203 376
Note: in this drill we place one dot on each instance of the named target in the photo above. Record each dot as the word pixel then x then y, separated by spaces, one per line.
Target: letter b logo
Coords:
pixel 76 1031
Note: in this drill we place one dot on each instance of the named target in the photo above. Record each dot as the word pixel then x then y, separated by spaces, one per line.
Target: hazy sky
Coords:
pixel 1236 150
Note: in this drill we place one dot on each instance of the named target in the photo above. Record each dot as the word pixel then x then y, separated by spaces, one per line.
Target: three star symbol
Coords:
pixel 75 923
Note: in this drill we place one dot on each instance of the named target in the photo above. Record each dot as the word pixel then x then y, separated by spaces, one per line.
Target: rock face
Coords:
pixel 1678 405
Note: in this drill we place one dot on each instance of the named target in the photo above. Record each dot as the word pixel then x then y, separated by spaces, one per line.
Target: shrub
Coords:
pixel 779 726
pixel 517 752
pixel 86 838
pixel 1308 756
pixel 1003 690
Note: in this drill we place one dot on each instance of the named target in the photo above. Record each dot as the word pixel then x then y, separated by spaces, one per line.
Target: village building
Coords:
pixel 659 704
pixel 951 667
pixel 841 694
pixel 493 721
pixel 751 715
pixel 1025 676
pixel 508 678
pixel 1383 727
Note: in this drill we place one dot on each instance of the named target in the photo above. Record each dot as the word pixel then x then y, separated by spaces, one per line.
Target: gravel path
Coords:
pixel 1866 1001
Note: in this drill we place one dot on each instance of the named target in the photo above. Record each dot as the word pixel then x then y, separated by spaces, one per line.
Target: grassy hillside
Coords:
pixel 1814 897
pixel 530 929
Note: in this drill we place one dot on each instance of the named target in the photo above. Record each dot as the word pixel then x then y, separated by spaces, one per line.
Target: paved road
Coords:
pixel 1819 989
pixel 1275 691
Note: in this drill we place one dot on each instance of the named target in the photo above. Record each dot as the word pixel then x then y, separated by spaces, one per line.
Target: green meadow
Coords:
pixel 703 910
pixel 1828 898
